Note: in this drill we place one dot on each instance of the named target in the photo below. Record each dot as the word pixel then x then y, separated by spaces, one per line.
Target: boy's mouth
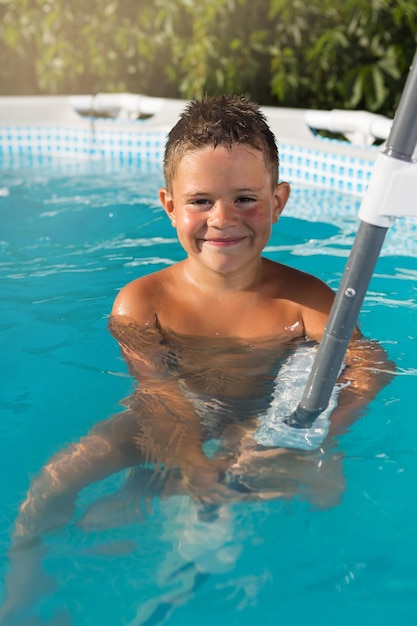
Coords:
pixel 222 242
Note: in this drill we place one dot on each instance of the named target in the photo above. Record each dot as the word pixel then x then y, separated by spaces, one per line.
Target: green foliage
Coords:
pixel 301 53
pixel 354 54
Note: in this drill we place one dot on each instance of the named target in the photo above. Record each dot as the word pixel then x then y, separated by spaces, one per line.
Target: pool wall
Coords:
pixel 131 128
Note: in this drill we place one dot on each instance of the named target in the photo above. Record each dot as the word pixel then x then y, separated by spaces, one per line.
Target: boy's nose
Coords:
pixel 222 213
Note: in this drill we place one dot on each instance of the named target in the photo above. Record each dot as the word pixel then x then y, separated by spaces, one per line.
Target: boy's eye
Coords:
pixel 245 199
pixel 201 204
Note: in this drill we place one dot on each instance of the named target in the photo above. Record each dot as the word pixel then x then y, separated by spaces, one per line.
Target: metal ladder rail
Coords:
pixel 392 192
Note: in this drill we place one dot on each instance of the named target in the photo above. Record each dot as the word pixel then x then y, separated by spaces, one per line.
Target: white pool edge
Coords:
pixel 52 126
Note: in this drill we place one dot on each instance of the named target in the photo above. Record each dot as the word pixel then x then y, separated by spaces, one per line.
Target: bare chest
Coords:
pixel 250 318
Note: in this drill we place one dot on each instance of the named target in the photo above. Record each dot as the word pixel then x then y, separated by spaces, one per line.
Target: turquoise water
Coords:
pixel 70 238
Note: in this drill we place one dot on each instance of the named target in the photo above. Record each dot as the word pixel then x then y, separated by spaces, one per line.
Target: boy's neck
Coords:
pixel 209 280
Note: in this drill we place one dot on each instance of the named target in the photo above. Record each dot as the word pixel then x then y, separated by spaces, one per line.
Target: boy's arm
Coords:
pixel 367 368
pixel 171 428
pixel 173 420
pixel 367 371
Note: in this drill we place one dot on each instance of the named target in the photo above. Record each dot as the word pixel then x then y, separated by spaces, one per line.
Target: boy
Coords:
pixel 222 196
pixel 205 337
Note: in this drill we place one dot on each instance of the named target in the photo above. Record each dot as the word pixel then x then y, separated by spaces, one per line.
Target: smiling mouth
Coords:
pixel 223 242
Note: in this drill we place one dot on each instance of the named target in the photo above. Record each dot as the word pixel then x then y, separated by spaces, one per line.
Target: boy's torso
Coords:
pixel 275 307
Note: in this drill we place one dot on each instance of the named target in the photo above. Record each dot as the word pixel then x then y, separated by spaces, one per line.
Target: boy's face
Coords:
pixel 223 205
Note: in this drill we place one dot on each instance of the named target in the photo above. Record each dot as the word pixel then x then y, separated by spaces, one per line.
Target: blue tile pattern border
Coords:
pixel 324 168
pixel 80 142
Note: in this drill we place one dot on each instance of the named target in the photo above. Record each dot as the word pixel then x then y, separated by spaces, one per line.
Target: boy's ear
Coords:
pixel 281 195
pixel 168 204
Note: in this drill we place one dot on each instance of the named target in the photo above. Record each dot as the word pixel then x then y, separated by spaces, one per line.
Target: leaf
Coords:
pixel 357 91
pixel 379 89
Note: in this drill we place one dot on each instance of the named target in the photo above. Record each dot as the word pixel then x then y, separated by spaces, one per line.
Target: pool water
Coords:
pixel 69 240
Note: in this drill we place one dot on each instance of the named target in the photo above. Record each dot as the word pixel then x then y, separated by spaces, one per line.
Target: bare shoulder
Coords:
pixel 301 287
pixel 311 296
pixel 311 291
pixel 138 300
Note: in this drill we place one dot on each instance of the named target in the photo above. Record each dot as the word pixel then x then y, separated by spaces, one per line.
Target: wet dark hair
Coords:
pixel 220 121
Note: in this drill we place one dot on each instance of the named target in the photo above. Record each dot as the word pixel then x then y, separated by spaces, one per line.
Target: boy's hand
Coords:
pixel 203 482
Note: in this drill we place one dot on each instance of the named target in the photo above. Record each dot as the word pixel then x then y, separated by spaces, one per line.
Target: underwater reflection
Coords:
pixel 193 437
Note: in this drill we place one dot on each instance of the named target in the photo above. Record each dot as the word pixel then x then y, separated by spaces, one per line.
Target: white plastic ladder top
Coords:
pixel 392 191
